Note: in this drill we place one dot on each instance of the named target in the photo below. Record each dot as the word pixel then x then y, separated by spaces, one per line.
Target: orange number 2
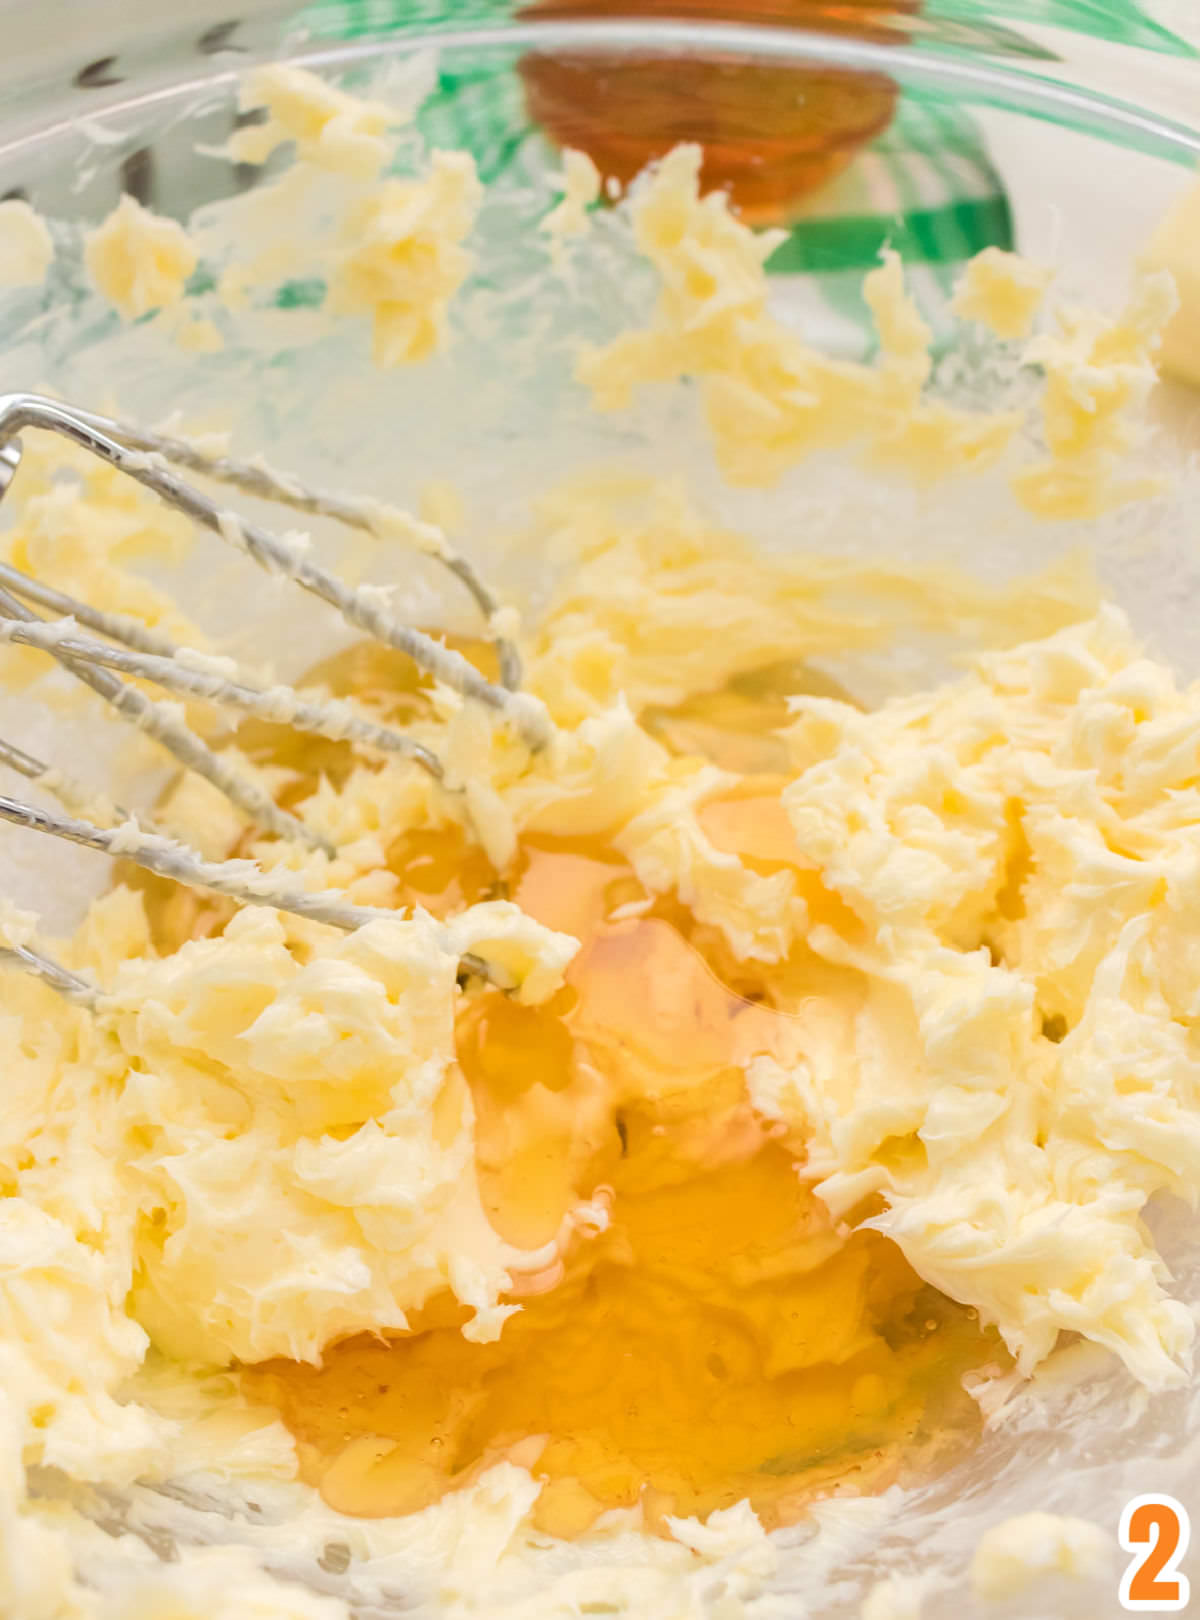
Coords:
pixel 1156 1530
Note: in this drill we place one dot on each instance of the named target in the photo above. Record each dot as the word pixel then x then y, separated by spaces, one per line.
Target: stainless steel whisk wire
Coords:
pixel 130 648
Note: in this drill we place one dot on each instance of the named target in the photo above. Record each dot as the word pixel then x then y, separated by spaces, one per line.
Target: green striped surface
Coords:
pixel 1120 22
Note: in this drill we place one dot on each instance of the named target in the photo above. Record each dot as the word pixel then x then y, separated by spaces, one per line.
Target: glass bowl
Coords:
pixel 937 131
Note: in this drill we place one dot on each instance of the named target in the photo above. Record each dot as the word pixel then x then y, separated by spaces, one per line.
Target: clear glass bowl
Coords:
pixel 983 131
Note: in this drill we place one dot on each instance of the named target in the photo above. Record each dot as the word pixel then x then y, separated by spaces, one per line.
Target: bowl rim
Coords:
pixel 949 71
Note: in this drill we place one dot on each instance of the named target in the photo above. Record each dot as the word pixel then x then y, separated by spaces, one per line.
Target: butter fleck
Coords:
pixel 404 258
pixel 1175 247
pixel 139 260
pixel 330 128
pixel 26 248
pixel 581 187
pixel 1002 291
pixel 898 1597
pixel 1026 1548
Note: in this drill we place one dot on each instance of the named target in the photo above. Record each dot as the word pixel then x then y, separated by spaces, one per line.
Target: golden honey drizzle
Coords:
pixel 719 1340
